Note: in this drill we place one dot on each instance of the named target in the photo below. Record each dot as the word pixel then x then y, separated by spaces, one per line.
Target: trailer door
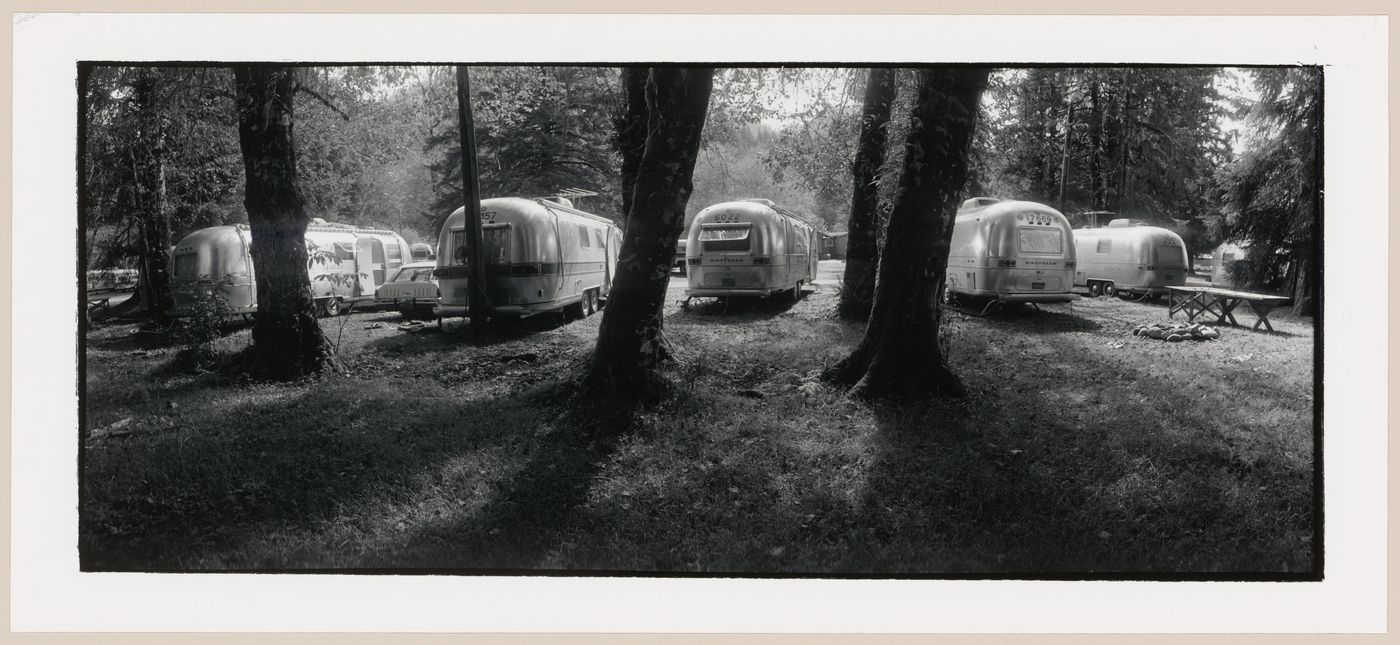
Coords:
pixel 609 260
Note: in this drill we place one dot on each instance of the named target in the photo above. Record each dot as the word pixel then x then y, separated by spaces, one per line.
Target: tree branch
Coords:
pixel 322 99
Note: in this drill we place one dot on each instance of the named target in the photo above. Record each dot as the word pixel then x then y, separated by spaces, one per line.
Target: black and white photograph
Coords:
pixel 744 320
pixel 578 317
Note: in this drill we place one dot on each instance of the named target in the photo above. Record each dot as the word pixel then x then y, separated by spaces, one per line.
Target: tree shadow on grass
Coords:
pixel 1040 321
pixel 532 512
pixel 738 309
pixel 1020 484
pixel 454 334
pixel 232 470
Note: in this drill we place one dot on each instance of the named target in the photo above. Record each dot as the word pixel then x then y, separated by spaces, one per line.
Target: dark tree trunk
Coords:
pixel 632 131
pixel 1124 140
pixel 1096 179
pixel 154 218
pixel 1303 303
pixel 630 346
pixel 863 244
pixel 477 304
pixel 1064 154
pixel 287 339
pixel 899 355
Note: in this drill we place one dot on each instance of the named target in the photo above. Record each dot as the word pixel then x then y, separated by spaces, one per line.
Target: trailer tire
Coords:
pixel 1109 290
pixel 588 307
pixel 577 310
pixel 1095 290
pixel 330 307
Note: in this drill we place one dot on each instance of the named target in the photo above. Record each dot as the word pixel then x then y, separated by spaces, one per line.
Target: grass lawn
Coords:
pixel 1081 449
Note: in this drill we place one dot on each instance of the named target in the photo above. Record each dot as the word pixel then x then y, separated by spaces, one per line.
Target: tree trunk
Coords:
pixel 632 131
pixel 154 218
pixel 287 339
pixel 863 244
pixel 1096 180
pixel 630 346
pixel 477 307
pixel 1124 139
pixel 899 355
pixel 1064 154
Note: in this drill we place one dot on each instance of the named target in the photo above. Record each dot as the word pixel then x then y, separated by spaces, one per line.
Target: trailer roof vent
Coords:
pixel 978 202
pixel 1124 222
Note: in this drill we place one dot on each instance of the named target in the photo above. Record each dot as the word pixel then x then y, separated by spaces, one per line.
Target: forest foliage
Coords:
pixel 378 146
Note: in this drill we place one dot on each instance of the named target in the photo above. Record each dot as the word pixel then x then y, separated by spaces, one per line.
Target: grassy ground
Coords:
pixel 1081 449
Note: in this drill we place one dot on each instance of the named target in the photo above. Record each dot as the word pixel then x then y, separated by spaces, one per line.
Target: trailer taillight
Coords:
pixel 1006 263
pixel 762 260
pixel 1071 264
pixel 694 261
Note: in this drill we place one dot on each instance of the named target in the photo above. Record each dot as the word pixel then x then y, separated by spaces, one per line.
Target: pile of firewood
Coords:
pixel 1176 332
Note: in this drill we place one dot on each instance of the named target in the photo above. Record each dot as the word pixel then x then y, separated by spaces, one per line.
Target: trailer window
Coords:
pixel 185 265
pixel 583 236
pixel 725 238
pixel 1041 240
pixel 1171 256
pixel 1105 246
pixel 495 244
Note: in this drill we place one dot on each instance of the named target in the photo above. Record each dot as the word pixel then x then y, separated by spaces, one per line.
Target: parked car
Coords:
pixel 413 290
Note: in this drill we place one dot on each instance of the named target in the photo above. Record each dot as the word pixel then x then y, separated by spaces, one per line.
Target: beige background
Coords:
pixel 1336 8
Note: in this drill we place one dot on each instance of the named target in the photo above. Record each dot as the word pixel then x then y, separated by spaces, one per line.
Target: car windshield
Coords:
pixel 418 274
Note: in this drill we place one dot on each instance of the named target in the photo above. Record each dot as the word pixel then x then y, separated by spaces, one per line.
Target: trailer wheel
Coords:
pixel 1095 289
pixel 1109 290
pixel 330 307
pixel 577 310
pixel 588 307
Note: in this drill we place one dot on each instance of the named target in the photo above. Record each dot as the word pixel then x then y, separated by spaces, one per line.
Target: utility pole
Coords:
pixel 471 194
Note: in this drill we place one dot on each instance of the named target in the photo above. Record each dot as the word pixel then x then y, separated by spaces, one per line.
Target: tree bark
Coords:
pixel 1096 179
pixel 900 355
pixel 1124 140
pixel 863 245
pixel 154 217
pixel 1064 154
pixel 287 339
pixel 630 349
pixel 632 131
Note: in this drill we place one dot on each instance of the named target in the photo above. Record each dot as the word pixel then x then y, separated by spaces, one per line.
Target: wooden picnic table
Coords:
pixel 1198 301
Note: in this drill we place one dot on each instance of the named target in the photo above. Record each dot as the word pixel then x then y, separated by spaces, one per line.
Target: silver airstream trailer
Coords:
pixel 749 247
pixel 1129 258
pixel 422 252
pixel 1225 256
pixel 541 256
pixel 1010 251
pixel 346 264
